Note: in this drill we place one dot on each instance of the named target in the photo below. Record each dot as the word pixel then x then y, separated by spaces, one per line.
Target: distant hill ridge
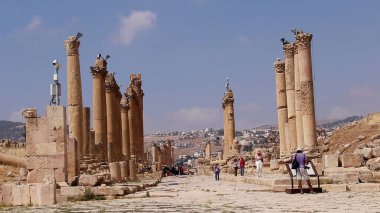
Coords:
pixel 12 130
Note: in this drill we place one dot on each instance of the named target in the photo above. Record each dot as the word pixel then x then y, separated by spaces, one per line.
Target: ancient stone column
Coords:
pixel 282 111
pixel 229 131
pixel 132 118
pixel 290 96
pixel 74 91
pixel 86 130
pixel 136 83
pixel 118 134
pixel 208 150
pixel 99 72
pixel 91 147
pixel 154 153
pixel 132 170
pixel 307 90
pixel 125 128
pixel 297 86
pixel 110 101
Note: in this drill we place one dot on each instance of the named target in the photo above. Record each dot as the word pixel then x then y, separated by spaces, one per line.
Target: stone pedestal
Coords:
pixel 208 150
pixel 132 170
pixel 220 155
pixel 115 171
pixel 229 121
pixel 124 170
pixel 307 90
pixel 99 72
pixel 74 90
pixel 282 111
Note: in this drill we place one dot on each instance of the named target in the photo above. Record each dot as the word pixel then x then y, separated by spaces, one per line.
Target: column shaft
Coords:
pixel 297 87
pixel 86 130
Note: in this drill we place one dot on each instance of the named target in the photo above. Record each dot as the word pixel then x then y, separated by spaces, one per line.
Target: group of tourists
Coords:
pixel 240 164
pixel 299 163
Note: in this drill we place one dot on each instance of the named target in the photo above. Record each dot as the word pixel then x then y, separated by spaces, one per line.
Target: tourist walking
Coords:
pixel 242 165
pixel 301 159
pixel 259 163
pixel 216 169
pixel 235 165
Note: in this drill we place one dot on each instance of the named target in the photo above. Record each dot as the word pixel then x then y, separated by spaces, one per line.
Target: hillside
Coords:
pixel 355 133
pixel 12 130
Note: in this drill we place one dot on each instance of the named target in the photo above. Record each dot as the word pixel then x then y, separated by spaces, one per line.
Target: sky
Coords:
pixel 186 49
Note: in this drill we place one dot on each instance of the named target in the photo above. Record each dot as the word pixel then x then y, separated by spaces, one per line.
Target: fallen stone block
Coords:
pixel 345 178
pixel 90 180
pixel 374 164
pixel 16 195
pixel 46 194
pixel 364 187
pixel 334 187
pixel 366 152
pixel 352 160
pixel 376 152
pixel 330 161
pixel 110 190
pixel 7 194
pixel 365 177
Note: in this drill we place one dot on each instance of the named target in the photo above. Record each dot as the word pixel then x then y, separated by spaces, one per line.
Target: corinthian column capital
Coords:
pixel 303 39
pixel 279 66
pixel 288 50
pixel 72 45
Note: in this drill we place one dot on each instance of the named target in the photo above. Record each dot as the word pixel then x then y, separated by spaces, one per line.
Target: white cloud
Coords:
pixel 243 39
pixel 339 112
pixel 362 91
pixel 34 23
pixel 16 116
pixel 138 21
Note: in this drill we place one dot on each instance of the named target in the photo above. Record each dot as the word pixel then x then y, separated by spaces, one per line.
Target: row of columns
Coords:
pixel 117 120
pixel 295 95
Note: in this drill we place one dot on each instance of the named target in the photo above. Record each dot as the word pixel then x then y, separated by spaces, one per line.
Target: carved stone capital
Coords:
pixel 279 66
pixel 72 45
pixel 124 103
pixel 303 39
pixel 95 71
pixel 288 50
pixel 29 113
pixel 228 101
pixel 110 83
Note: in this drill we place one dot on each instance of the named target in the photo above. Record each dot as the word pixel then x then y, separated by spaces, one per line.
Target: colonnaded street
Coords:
pixel 203 194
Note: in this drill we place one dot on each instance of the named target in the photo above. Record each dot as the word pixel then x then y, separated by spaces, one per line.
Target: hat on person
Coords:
pixel 299 149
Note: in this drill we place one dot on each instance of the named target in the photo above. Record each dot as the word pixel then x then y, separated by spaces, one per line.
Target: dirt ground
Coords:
pixel 368 127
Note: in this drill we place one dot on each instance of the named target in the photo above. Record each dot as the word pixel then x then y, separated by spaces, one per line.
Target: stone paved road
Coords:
pixel 203 194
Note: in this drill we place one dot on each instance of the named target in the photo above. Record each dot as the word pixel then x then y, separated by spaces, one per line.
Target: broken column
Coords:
pixel 307 90
pixel 282 111
pixel 99 72
pixel 229 119
pixel 92 142
pixel 297 87
pixel 290 96
pixel 208 150
pixel 74 90
pixel 86 130
pixel 110 101
pixel 125 128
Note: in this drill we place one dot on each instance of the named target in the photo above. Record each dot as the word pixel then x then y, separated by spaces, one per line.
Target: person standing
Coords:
pixel 259 163
pixel 216 171
pixel 242 165
pixel 301 158
pixel 235 165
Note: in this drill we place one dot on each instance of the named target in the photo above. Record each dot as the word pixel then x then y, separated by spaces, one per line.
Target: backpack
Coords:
pixel 295 164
